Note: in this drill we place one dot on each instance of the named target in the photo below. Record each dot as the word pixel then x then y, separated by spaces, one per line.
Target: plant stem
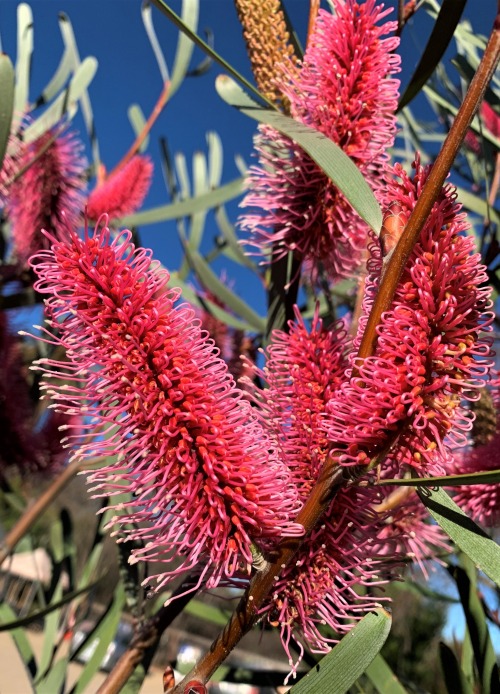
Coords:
pixel 431 190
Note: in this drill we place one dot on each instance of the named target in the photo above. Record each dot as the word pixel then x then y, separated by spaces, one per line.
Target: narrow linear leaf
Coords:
pixel 335 163
pixel 188 207
pixel 215 159
pixel 137 120
pixel 484 653
pixel 189 17
pixel 153 40
pixel 340 669
pixel 441 35
pixel 382 677
pixel 54 681
pixel 489 477
pixel 24 53
pixel 468 536
pixel 6 102
pixel 209 280
pixel 57 81
pixel 19 637
pixel 478 205
pixel 453 675
pixel 50 627
pixel 66 103
pixel 228 232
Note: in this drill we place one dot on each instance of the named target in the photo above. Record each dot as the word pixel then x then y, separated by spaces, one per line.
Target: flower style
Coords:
pixel 123 192
pixel 481 501
pixel 49 194
pixel 430 351
pixel 303 370
pixel 203 475
pixel 344 89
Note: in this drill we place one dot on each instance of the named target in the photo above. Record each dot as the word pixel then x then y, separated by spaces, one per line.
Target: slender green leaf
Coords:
pixel 215 159
pixel 484 653
pixel 471 539
pixel 136 118
pixel 208 613
pixel 19 637
pixel 328 156
pixel 58 80
pixel 189 17
pixel 454 677
pixel 153 40
pixel 24 53
pixel 66 103
pixel 442 34
pixel 489 477
pixel 55 679
pixel 229 234
pixel 184 208
pixel 382 677
pixel 209 280
pixel 104 633
pixel 479 205
pixel 6 102
pixel 338 671
pixel 66 29
pixel 180 24
pixel 467 658
pixel 50 627
pixel 228 318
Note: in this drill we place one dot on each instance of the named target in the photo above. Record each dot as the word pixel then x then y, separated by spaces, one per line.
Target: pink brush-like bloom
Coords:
pixel 203 475
pixel 49 194
pixel 406 530
pixel 345 90
pixel 123 192
pixel 430 351
pixel 481 501
pixel 303 370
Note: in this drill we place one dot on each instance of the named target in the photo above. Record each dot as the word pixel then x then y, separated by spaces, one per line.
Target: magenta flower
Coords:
pixel 303 370
pixel 204 480
pixel 345 90
pixel 123 192
pixel 481 501
pixel 49 194
pixel 430 352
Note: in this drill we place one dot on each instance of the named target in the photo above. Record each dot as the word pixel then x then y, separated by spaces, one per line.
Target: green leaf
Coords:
pixel 153 40
pixel 19 637
pixel 55 679
pixel 484 653
pixel 442 34
pixel 229 234
pixel 188 207
pixel 180 24
pixel 468 536
pixel 66 103
pixel 190 12
pixel 339 168
pixel 489 477
pixel 24 53
pixel 136 118
pixel 215 159
pixel 338 671
pixel 6 102
pixel 382 677
pixel 454 677
pixel 209 280
pixel 57 81
pixel 104 633
pixel 49 632
pixel 208 613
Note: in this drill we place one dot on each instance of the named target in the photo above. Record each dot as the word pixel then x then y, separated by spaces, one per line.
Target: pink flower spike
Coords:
pixel 49 195
pixel 346 90
pixel 204 480
pixel 123 192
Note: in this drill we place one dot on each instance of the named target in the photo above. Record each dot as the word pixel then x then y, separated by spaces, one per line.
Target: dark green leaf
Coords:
pixel 54 681
pixel 442 33
pixel 338 671
pixel 489 477
pixel 328 156
pixel 6 102
pixel 7 615
pixel 468 536
pixel 454 678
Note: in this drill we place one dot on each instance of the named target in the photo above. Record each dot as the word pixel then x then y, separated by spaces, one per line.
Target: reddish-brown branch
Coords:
pixel 162 100
pixel 431 191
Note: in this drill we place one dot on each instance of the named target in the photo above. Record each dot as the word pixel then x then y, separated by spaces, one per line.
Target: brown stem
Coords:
pixel 313 13
pixel 145 642
pixel 162 100
pixel 33 512
pixel 245 616
pixel 431 190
